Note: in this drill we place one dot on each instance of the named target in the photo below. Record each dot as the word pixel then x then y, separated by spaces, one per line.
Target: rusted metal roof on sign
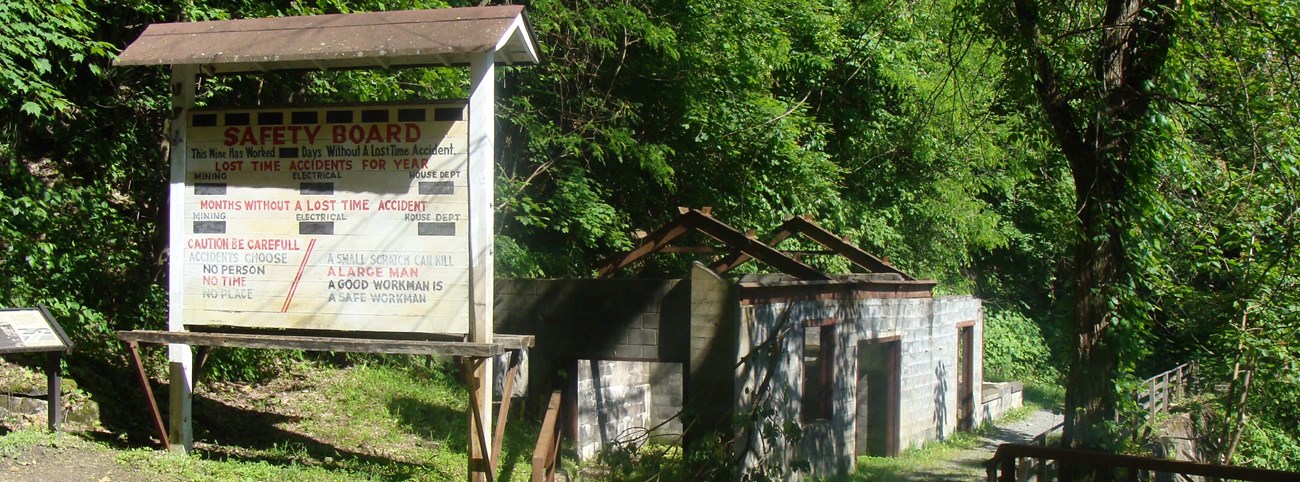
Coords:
pixel 447 36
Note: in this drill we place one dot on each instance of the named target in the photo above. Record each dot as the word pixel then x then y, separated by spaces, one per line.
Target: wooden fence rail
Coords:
pixel 1002 467
pixel 1162 389
pixel 1156 395
pixel 546 455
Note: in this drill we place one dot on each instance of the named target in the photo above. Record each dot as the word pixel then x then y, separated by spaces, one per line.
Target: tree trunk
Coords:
pixel 1096 122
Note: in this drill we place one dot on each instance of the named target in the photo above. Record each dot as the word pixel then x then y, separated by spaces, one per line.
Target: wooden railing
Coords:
pixel 1002 467
pixel 546 455
pixel 1039 468
pixel 1156 395
pixel 1161 389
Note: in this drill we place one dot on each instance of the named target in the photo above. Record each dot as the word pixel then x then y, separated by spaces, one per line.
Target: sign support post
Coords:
pixel 53 391
pixel 482 160
pixel 180 357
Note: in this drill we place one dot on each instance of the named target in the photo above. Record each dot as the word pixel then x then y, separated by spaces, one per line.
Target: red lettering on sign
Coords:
pixel 358 134
pixel 274 135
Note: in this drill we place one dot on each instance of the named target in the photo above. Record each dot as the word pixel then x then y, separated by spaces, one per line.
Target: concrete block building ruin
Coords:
pixel 865 363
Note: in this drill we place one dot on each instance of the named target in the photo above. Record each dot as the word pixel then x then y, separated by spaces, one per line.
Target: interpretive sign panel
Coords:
pixel 24 330
pixel 339 218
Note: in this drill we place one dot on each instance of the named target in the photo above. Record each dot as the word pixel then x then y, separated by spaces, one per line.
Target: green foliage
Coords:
pixel 907 126
pixel 1265 444
pixel 759 109
pixel 1014 348
pixel 35 37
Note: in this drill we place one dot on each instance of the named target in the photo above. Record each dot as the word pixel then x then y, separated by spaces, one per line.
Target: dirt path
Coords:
pixel 1015 432
pixel 67 457
pixel 968 465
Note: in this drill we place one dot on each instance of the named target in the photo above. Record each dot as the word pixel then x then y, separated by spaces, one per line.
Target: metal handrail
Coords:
pixel 546 454
pixel 1004 460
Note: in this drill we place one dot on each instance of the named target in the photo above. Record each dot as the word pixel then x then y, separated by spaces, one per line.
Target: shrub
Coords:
pixel 1014 348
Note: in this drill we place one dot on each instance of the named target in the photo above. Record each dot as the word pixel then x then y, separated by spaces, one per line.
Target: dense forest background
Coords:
pixel 945 135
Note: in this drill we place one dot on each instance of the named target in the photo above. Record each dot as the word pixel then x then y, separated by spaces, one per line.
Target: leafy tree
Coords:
pixel 1176 123
pixel 1228 276
pixel 1092 66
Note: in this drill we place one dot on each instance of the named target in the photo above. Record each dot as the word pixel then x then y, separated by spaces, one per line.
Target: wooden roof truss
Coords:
pixel 813 231
pixel 745 246
pixel 703 222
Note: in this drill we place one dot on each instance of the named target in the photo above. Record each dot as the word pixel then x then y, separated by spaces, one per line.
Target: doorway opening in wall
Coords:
pixel 878 397
pixel 965 376
pixel 819 354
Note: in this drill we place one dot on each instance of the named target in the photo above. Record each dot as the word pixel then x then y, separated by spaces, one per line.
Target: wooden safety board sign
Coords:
pixel 350 218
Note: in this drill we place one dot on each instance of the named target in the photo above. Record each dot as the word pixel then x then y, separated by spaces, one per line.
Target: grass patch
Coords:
pixel 19 441
pixel 195 468
pixel 382 419
pixel 931 461
pixel 1044 396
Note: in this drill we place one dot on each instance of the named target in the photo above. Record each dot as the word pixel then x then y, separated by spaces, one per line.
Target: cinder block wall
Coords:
pixel 612 319
pixel 626 342
pixel 619 402
pixel 927 333
pixel 614 404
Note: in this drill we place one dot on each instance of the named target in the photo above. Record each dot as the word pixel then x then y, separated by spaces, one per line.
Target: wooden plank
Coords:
pixel 315 343
pixel 509 386
pixel 1007 452
pixel 54 390
pixel 762 252
pixel 180 359
pixel 481 463
pixel 514 342
pixel 482 162
pixel 133 349
pixel 548 441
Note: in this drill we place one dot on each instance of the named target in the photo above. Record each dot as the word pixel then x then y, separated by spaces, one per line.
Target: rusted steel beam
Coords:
pixel 832 242
pixel 700 220
pixel 133 349
pixel 689 249
pixel 836 245
pixel 738 258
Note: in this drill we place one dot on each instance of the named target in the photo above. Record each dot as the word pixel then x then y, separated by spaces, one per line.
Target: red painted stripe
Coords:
pixel 302 267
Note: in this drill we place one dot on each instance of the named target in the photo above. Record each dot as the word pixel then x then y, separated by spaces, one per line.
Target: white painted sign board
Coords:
pixel 351 218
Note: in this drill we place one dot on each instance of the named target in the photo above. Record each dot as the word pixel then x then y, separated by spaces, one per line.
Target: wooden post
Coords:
pixel 1151 400
pixel 53 385
pixel 482 163
pixel 180 357
pixel 133 349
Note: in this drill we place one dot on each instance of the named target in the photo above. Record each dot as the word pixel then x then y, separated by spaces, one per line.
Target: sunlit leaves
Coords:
pixel 33 33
